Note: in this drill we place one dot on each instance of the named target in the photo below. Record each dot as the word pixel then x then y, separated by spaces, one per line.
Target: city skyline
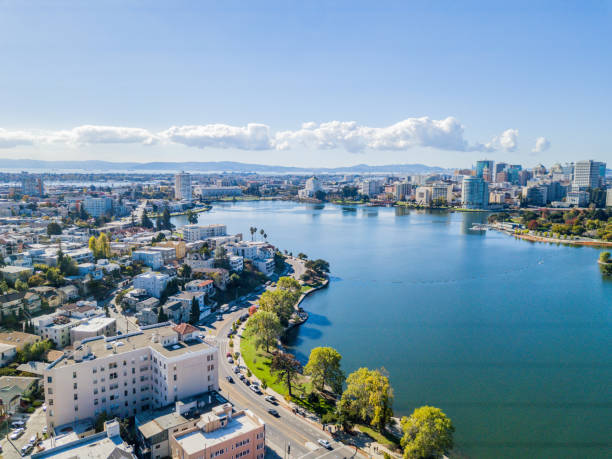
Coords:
pixel 306 85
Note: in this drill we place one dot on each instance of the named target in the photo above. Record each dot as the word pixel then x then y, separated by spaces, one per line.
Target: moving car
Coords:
pixel 324 443
pixel 230 379
pixel 271 399
pixel 255 389
pixel 273 412
pixel 241 377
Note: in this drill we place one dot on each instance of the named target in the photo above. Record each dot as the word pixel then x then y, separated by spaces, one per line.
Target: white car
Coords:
pixel 44 407
pixel 324 443
pixel 33 439
pixel 255 389
pixel 15 434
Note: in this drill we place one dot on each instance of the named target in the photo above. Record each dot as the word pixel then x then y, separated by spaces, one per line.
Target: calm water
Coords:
pixel 513 340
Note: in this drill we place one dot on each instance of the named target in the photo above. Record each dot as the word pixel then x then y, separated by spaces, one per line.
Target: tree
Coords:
pixel 54 277
pixel 192 217
pixel 320 195
pixel 302 256
pixel 221 258
pixel 54 229
pixel 161 315
pixel 287 369
pixel 92 246
pixel 166 219
pixel 194 317
pixel 262 232
pixel 103 246
pixel 324 368
pixel 289 284
pixel 146 222
pixel 21 285
pixel 265 328
pixel 185 271
pixel 280 302
pixel 319 266
pixel 604 257
pixel 368 397
pixel 253 230
pixel 428 433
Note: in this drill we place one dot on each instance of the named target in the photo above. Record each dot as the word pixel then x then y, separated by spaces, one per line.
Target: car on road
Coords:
pixel 324 443
pixel 246 381
pixel 230 379
pixel 271 399
pixel 255 388
pixel 273 412
pixel 236 369
pixel 230 360
pixel 45 430
pixel 17 424
pixel 234 309
pixel 25 449
pixel 15 434
pixel 241 377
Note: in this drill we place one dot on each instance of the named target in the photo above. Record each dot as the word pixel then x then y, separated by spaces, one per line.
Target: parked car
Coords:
pixel 324 443
pixel 236 369
pixel 44 407
pixel 25 449
pixel 273 412
pixel 33 439
pixel 255 388
pixel 271 399
pixel 241 377
pixel 229 354
pixel 15 434
pixel 246 381
pixel 230 379
pixel 45 430
pixel 230 360
pixel 17 424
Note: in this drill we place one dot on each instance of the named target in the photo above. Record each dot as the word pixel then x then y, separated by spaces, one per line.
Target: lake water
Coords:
pixel 512 339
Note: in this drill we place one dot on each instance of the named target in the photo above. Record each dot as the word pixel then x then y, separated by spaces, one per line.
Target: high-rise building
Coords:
pixel 31 185
pixel 482 165
pixel 474 193
pixel 371 187
pixel 98 206
pixel 182 186
pixel 402 190
pixel 588 174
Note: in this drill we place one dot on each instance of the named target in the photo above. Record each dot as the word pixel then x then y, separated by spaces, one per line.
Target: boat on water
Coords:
pixel 479 227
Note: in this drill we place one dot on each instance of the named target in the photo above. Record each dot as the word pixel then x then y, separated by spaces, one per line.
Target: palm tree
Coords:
pixel 253 230
pixel 262 232
pixel 265 237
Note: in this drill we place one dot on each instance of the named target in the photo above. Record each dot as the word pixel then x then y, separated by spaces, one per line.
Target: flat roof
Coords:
pixel 196 441
pixel 98 446
pixel 94 324
pixel 103 347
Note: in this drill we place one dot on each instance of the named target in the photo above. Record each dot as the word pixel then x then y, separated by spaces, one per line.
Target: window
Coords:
pixel 74 374
pixel 49 379
pixel 74 386
pixel 50 402
pixel 95 391
pixel 95 401
pixel 50 390
pixel 175 377
pixel 76 408
pixel 76 396
pixel 95 370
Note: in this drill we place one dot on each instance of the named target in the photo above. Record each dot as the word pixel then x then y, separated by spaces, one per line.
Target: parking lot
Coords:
pixel 34 424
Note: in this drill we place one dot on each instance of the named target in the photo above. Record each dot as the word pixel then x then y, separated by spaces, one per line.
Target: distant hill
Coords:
pixel 211 166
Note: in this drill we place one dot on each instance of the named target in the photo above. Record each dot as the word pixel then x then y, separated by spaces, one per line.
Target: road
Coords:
pixel 287 430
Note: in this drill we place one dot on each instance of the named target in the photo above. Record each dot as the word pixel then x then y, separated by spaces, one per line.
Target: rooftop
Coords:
pixel 103 347
pixel 196 441
pixel 94 324
pixel 98 446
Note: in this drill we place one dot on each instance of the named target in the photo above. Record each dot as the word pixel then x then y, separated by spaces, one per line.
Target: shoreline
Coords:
pixel 532 238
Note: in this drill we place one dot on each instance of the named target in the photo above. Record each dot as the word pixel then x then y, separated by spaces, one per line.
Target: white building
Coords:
pixel 197 233
pixel 7 353
pixel 152 283
pixel 182 187
pixel 98 206
pixel 310 188
pixel 588 174
pixel 56 327
pixel 127 374
pixel 150 258
pixel 371 187
pixel 96 326
pixel 236 263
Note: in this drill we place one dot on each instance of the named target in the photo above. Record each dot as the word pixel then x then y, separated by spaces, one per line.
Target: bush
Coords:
pixel 313 398
pixel 37 403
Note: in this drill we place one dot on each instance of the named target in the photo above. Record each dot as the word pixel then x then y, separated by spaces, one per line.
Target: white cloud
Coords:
pixel 542 144
pixel 444 134
pixel 252 137
pixel 10 139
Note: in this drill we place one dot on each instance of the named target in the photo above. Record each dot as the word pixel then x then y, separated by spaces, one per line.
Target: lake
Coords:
pixel 512 339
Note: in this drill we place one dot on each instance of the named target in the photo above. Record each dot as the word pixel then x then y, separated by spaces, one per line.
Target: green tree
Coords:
pixel 280 302
pixel 368 398
pixel 252 230
pixel 221 258
pixel 145 221
pixel 302 256
pixel 54 229
pixel 192 217
pixel 287 369
pixel 265 329
pixel 54 277
pixel 604 257
pixel 21 285
pixel 93 246
pixel 194 317
pixel 166 219
pixel 289 284
pixel 324 368
pixel 428 433
pixel 185 271
pixel 161 315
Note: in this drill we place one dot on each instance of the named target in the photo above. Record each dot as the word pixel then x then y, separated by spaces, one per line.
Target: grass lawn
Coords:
pixel 385 439
pixel 258 361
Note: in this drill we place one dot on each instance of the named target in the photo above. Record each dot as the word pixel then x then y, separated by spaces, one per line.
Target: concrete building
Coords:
pixel 98 206
pixel 578 198
pixel 12 273
pixel 221 434
pixel 152 283
pixel 402 191
pixel 31 185
pixel 310 188
pixel 18 339
pixel 609 197
pixel 197 261
pixel 422 195
pixel 127 374
pixel 7 353
pixel 588 174
pixel 97 326
pixel 484 167
pixel 204 286
pixel 55 327
pixel 151 258
pixel 180 248
pixel 371 187
pixel 216 191
pixel 182 187
pixel 197 233
pixel 168 253
pixel 474 193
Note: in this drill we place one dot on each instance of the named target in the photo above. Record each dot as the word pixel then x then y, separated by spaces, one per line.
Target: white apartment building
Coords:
pixel 126 374
pixel 236 263
pixel 422 195
pixel 152 283
pixel 182 187
pixel 310 189
pixel 265 265
pixel 98 206
pixel 55 327
pixel 197 261
pixel 204 286
pixel 197 233
pixel 371 187
pixel 151 258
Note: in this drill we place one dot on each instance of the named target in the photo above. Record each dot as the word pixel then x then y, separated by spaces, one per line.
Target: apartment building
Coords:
pixel 97 326
pixel 205 286
pixel 182 187
pixel 152 283
pixel 98 206
pixel 55 327
pixel 196 232
pixel 127 374
pixel 150 258
pixel 221 434
pixel 180 248
pixel 168 254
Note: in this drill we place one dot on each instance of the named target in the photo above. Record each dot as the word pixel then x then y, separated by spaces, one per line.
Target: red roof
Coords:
pixel 184 329
pixel 205 282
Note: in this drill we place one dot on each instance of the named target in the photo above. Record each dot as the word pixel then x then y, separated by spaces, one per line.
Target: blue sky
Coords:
pixel 440 83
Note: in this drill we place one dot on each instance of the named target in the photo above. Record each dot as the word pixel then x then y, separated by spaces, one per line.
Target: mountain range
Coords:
pixel 208 167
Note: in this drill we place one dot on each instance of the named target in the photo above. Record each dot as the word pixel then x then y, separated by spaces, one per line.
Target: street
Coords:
pixel 288 430
pixel 35 423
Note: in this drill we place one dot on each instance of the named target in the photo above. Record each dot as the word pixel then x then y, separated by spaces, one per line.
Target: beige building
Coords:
pixel 221 434
pixel 180 247
pixel 18 339
pixel 126 374
pixel 96 326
